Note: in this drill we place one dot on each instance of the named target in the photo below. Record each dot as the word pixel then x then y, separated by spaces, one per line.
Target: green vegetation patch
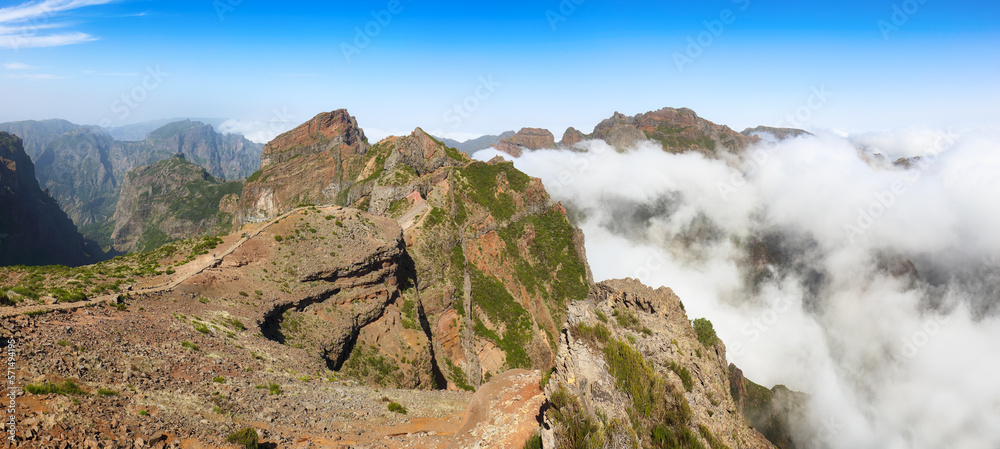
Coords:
pixel 705 331
pixel 66 387
pixel 245 437
pixel 660 413
pixel 497 303
pixel 369 366
pixel 482 182
pixel 395 407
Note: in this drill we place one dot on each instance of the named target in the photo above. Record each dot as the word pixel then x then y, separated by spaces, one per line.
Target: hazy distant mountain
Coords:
pixel 169 200
pixel 474 145
pixel 33 230
pixel 36 134
pixel 83 166
pixel 139 131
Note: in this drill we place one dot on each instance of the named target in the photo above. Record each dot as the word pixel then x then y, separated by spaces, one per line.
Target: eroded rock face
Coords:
pixel 311 164
pixel 654 325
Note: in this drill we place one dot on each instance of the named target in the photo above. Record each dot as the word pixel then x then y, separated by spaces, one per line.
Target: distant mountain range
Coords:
pixel 473 145
pixel 83 167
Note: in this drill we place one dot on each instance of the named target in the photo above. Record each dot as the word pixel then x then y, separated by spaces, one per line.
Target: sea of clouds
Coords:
pixel 882 301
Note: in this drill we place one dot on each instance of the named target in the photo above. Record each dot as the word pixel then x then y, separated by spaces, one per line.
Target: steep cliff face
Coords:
pixel 82 170
pixel 169 200
pixel 632 371
pixel 33 230
pixel 36 134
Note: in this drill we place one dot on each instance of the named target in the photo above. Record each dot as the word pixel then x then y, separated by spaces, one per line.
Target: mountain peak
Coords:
pixel 322 132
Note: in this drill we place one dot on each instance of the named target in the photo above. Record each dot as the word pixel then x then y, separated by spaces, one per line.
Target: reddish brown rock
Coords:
pixel 328 130
pixel 503 413
pixel 527 139
pixel 571 137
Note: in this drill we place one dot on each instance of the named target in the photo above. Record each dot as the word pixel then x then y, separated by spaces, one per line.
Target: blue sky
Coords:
pixel 876 64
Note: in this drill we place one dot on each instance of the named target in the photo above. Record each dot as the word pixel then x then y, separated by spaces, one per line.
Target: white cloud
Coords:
pixel 889 362
pixel 21 25
pixel 259 131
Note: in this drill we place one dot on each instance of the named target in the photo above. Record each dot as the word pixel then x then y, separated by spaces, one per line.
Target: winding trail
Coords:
pixel 184 272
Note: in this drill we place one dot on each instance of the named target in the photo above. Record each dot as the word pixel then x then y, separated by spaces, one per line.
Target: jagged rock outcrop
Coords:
pixel 572 137
pixel 336 130
pixel 496 261
pixel 526 139
pixel 317 162
pixel 169 200
pixel 631 369
pixel 33 230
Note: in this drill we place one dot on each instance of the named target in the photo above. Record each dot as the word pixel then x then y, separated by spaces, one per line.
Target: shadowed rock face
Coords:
pixel 33 230
pixel 779 133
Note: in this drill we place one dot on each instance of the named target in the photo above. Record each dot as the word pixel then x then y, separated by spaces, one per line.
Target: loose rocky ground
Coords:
pixel 184 364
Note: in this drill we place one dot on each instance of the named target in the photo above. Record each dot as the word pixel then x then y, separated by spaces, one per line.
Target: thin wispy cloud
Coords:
pixel 24 25
pixel 36 76
pixel 18 66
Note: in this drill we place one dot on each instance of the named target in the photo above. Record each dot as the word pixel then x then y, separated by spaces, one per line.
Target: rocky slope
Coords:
pixel 33 230
pixel 170 200
pixel 632 371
